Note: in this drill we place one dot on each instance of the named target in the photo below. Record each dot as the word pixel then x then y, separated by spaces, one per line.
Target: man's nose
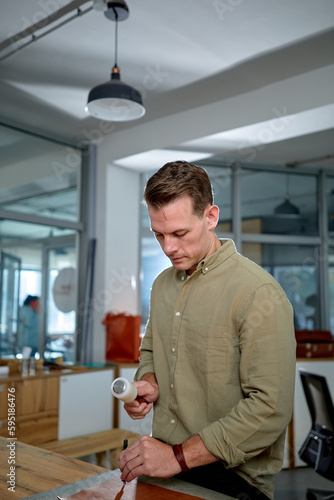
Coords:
pixel 169 245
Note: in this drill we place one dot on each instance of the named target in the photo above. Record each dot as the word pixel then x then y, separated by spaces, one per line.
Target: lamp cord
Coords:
pixel 116 36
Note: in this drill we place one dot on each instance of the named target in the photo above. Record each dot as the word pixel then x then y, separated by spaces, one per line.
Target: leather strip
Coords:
pixel 178 452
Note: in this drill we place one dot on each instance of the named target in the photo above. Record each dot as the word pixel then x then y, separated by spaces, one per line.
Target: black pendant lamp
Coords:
pixel 115 100
pixel 287 208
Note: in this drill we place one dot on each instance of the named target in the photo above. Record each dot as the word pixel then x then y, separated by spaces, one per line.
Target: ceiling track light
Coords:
pixel 114 100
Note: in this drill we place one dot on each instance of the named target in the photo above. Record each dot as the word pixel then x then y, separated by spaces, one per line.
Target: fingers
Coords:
pixel 130 462
pixel 150 457
pixel 133 470
pixel 133 461
pixel 147 391
pixel 137 410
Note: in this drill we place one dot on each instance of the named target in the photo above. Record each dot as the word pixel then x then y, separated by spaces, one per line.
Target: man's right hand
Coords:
pixel 147 394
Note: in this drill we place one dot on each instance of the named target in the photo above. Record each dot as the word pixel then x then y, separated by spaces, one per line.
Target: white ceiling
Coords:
pixel 232 78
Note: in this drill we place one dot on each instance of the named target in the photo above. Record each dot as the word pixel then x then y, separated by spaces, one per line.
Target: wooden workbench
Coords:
pixel 38 470
pixel 43 475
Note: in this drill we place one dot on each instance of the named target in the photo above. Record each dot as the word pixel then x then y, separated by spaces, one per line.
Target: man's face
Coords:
pixel 184 237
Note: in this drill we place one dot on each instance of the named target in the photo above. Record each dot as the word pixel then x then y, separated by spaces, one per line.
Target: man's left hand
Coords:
pixel 148 457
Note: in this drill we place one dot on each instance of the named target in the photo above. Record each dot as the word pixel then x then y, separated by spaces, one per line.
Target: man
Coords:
pixel 218 356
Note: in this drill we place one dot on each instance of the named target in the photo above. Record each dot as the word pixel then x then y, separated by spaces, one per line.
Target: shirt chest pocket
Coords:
pixel 206 348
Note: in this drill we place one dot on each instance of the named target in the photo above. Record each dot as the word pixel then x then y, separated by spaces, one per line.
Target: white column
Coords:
pixel 116 286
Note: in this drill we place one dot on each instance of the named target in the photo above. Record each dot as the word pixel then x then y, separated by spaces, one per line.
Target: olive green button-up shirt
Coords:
pixel 222 346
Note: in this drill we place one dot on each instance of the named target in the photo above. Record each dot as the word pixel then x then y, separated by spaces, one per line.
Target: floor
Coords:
pixel 292 484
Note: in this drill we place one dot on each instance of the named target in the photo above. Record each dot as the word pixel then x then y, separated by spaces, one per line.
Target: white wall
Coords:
pixel 116 284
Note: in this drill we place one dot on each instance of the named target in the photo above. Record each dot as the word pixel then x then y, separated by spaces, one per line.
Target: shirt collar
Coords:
pixel 224 252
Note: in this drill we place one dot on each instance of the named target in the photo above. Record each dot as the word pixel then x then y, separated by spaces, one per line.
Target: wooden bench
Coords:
pixel 97 443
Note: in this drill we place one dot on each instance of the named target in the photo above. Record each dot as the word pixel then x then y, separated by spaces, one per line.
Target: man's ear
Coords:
pixel 212 214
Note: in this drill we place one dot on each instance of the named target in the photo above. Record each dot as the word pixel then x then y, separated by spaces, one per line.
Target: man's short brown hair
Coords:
pixel 176 179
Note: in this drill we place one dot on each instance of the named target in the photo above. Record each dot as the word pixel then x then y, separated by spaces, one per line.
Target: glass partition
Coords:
pixel 153 261
pixel 38 253
pixel 278 202
pixel 61 285
pixel 38 176
pixel 295 267
pixel 39 228
pixel 331 288
pixel 330 203
pixel 222 184
pixel 280 207
pixel 9 295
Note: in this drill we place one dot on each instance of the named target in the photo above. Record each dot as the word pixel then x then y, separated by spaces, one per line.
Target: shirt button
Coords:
pixel 206 269
pixel 172 421
pixel 182 278
pixel 172 386
pixel 178 313
pixel 173 349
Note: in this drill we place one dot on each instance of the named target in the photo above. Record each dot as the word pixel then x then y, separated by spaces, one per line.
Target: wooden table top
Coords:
pixel 31 470
pixel 26 470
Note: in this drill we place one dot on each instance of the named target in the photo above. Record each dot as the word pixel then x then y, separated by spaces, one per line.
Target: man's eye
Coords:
pixel 179 235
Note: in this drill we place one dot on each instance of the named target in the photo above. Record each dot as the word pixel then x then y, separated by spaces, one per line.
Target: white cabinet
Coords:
pixel 85 403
